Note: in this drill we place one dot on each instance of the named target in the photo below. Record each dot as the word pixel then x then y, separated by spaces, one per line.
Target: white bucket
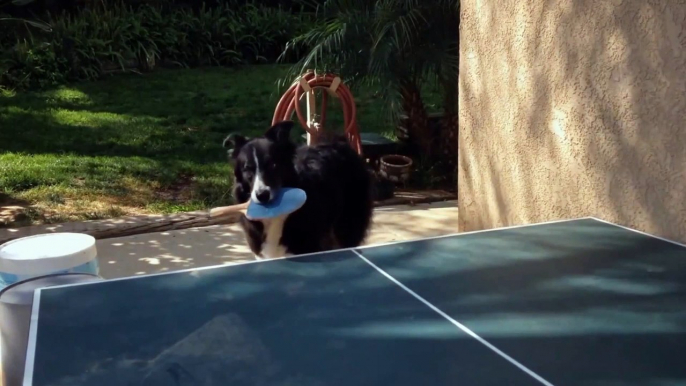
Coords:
pixel 46 254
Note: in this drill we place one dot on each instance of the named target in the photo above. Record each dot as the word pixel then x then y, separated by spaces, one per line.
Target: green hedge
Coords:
pixel 97 42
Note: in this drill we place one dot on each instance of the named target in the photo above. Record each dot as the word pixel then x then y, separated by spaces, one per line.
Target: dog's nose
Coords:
pixel 263 196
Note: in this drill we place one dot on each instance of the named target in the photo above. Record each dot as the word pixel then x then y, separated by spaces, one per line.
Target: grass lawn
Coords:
pixel 137 144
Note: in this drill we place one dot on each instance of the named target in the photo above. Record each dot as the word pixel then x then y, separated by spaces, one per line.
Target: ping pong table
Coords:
pixel 577 302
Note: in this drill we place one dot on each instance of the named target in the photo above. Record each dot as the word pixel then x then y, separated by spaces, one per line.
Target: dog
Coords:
pixel 338 184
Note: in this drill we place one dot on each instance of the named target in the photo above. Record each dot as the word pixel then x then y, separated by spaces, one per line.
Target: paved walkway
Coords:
pixel 224 244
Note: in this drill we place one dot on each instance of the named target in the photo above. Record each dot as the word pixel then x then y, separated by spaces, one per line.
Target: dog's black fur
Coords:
pixel 338 210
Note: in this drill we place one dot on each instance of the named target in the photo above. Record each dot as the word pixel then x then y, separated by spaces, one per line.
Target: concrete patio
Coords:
pixel 224 244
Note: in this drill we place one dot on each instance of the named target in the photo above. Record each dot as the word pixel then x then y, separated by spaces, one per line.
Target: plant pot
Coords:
pixel 395 167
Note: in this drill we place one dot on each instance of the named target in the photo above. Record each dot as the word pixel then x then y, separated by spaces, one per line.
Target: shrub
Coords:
pixel 31 65
pixel 94 42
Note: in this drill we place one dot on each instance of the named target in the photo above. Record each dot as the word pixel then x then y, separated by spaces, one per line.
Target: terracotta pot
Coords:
pixel 395 167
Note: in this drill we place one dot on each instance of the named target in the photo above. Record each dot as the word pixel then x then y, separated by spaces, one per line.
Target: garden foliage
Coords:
pixel 103 39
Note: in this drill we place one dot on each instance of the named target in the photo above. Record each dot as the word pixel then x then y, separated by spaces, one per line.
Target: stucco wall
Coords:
pixel 572 108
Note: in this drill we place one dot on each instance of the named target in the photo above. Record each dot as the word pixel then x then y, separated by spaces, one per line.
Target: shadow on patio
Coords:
pixel 224 244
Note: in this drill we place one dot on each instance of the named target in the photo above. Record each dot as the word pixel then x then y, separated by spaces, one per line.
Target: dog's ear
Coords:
pixel 280 132
pixel 234 142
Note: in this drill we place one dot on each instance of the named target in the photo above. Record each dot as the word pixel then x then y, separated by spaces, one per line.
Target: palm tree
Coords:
pixel 428 32
pixel 399 45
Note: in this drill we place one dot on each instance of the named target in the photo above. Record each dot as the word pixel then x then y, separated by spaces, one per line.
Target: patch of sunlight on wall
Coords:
pixel 522 31
pixel 483 12
pixel 524 80
pixel 473 67
pixel 617 47
pixel 558 125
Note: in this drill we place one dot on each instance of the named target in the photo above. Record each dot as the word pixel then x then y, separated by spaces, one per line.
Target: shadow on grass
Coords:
pixel 159 129
pixel 209 101
pixel 53 132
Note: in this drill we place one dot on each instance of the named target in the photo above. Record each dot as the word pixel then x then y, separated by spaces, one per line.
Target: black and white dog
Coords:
pixel 338 210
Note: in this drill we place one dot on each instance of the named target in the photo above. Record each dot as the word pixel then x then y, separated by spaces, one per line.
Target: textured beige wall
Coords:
pixel 572 108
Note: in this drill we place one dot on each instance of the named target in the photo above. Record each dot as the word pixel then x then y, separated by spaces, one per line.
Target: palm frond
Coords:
pixel 384 43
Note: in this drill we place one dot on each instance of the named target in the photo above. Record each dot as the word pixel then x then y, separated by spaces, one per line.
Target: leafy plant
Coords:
pixel 29 65
pixel 399 45
pixel 109 38
pixel 269 29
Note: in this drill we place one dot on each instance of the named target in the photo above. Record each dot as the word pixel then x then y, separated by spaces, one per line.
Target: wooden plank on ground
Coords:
pixel 133 225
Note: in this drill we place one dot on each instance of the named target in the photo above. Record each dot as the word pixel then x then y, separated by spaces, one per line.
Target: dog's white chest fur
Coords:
pixel 273 229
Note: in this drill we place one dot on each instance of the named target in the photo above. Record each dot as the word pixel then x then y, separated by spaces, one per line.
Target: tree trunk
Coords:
pixel 448 142
pixel 449 129
pixel 417 118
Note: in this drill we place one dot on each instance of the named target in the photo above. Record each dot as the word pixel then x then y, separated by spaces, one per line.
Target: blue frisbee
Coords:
pixel 287 201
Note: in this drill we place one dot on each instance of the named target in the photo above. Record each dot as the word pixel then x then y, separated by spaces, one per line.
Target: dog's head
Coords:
pixel 262 165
